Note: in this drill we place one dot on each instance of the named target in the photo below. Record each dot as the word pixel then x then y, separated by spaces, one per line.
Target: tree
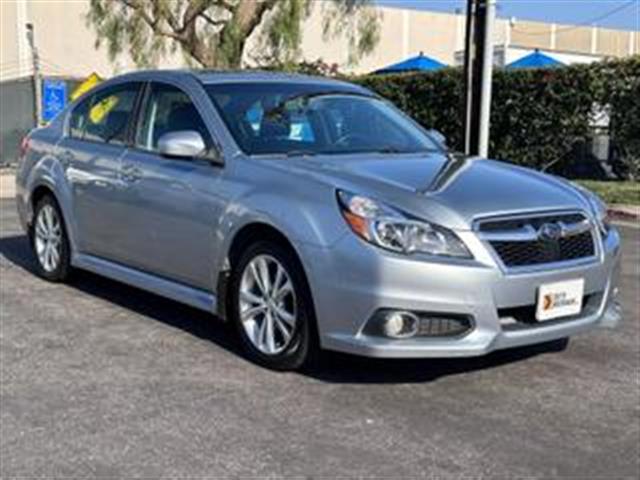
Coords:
pixel 214 33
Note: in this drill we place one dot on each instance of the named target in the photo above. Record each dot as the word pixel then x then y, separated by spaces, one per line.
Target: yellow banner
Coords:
pixel 100 110
pixel 91 81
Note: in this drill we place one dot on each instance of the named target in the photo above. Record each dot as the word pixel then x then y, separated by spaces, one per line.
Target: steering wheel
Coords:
pixel 350 138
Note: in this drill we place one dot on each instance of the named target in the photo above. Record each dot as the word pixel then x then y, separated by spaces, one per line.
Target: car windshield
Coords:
pixel 307 119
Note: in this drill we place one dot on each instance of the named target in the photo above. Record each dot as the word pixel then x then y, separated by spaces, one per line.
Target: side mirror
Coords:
pixel 438 137
pixel 182 144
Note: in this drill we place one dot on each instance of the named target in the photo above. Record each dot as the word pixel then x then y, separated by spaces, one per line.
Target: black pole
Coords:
pixel 474 73
pixel 468 74
pixel 37 75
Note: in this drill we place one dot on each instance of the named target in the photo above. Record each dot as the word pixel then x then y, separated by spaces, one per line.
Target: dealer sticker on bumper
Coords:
pixel 559 299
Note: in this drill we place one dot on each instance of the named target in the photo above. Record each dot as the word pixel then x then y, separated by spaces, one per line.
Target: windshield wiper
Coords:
pixel 301 153
pixel 399 151
pixel 390 150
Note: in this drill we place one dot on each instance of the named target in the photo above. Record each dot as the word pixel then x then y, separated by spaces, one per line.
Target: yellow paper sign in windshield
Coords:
pixel 101 109
pixel 90 82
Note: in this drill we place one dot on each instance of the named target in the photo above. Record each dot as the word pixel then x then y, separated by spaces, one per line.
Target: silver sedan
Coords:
pixel 312 214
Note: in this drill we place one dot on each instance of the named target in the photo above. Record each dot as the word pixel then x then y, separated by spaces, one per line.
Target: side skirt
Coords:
pixel 166 288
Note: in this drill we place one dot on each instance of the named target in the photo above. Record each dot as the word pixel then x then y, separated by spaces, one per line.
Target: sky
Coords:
pixel 623 14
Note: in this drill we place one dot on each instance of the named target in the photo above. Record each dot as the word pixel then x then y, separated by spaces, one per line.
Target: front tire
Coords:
pixel 49 241
pixel 271 307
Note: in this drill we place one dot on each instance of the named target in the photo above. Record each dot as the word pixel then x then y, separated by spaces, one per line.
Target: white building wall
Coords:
pixel 67 44
pixel 515 53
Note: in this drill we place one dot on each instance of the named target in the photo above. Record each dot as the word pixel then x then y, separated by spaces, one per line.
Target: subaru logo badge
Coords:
pixel 549 232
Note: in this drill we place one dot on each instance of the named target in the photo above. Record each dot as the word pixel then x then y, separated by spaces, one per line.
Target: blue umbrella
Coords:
pixel 536 60
pixel 418 63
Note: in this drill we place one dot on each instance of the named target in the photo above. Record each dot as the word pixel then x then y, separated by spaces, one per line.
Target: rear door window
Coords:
pixel 105 116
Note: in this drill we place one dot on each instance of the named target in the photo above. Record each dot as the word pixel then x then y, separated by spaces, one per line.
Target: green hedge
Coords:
pixel 615 192
pixel 538 116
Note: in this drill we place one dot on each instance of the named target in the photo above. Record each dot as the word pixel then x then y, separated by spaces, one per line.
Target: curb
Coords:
pixel 7 184
pixel 625 213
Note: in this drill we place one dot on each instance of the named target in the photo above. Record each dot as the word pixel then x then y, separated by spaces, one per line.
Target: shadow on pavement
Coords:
pixel 196 322
pixel 333 367
pixel 342 368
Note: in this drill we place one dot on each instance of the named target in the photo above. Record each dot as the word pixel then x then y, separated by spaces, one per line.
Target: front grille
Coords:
pixel 520 241
pixel 535 222
pixel 517 254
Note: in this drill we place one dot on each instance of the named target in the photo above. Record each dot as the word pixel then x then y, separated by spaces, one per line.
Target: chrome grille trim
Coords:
pixel 518 242
pixel 527 233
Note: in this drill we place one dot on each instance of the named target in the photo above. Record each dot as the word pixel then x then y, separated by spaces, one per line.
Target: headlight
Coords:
pixel 390 229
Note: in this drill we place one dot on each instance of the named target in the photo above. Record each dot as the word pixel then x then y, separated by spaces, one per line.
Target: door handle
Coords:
pixel 130 173
pixel 65 158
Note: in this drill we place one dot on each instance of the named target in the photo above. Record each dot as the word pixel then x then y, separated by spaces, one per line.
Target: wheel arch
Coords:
pixel 39 192
pixel 245 236
pixel 47 176
pixel 42 189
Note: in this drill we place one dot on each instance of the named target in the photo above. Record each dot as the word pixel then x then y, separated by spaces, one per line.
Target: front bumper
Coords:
pixel 353 280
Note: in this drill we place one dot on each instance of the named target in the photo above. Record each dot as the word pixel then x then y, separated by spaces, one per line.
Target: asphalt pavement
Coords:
pixel 98 379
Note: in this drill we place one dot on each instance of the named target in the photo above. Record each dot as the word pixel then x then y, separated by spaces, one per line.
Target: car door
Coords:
pixel 173 204
pixel 91 152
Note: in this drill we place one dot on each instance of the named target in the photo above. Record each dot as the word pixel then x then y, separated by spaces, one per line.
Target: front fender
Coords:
pixel 312 218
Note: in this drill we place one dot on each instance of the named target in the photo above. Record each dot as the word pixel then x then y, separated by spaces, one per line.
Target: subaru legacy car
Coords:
pixel 312 214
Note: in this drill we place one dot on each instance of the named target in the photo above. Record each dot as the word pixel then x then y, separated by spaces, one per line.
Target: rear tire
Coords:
pixel 277 328
pixel 49 241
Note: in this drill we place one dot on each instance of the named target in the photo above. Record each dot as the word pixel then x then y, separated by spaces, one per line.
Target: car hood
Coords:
pixel 452 190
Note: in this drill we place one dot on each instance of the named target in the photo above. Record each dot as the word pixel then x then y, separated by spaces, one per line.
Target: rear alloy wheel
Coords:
pixel 49 240
pixel 271 307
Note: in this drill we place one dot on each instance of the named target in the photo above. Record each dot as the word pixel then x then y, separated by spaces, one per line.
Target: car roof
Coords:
pixel 214 76
pixel 209 77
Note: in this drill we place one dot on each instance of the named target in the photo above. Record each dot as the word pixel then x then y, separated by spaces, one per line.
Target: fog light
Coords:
pixel 400 324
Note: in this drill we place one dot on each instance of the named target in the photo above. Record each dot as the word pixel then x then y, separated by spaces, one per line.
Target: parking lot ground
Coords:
pixel 101 379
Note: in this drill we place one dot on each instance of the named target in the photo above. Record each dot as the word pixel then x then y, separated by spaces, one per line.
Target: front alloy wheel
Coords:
pixel 267 305
pixel 271 307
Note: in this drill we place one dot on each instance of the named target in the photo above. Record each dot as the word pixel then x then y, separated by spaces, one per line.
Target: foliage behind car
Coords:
pixel 538 116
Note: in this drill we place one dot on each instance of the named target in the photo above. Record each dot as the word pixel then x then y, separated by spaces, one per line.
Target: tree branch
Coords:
pixel 153 23
pixel 194 44
pixel 215 23
pixel 160 8
pixel 250 14
pixel 226 5
pixel 194 9
pixel 146 24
